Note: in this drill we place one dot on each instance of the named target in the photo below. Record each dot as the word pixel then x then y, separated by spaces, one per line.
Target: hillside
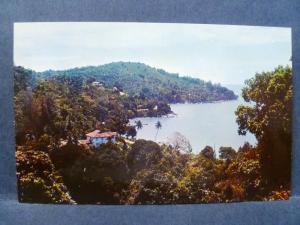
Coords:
pixel 140 80
pixel 53 166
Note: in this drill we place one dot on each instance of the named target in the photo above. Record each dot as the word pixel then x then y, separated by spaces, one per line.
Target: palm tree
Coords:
pixel 138 124
pixel 157 126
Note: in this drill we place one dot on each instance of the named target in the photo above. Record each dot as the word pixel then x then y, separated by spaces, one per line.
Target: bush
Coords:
pixel 37 179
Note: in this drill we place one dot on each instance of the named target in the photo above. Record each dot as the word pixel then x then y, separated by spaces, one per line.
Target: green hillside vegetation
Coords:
pixel 63 108
pixel 67 108
pixel 140 80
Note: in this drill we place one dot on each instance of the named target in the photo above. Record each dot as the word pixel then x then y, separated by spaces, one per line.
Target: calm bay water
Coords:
pixel 202 124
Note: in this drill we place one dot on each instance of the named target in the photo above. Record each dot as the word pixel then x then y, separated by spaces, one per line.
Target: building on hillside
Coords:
pixel 97 84
pixel 142 110
pixel 97 138
pixel 122 93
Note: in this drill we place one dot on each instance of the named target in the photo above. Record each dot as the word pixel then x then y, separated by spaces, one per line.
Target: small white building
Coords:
pixel 97 84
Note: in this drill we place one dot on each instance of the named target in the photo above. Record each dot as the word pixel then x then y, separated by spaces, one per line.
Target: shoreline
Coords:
pixel 205 102
pixel 173 114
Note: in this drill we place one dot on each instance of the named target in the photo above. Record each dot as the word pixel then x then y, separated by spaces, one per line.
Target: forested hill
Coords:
pixel 138 79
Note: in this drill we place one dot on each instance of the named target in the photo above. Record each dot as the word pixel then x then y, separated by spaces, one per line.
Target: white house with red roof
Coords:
pixel 97 138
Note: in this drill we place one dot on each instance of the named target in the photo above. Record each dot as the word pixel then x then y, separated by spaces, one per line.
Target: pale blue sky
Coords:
pixel 222 54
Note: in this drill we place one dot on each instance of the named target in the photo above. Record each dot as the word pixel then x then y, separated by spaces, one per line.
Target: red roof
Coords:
pixel 98 134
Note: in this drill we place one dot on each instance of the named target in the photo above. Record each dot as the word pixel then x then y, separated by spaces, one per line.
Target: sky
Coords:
pixel 219 53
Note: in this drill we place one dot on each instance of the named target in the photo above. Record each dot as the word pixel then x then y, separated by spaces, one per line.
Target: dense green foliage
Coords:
pixel 67 108
pixel 38 180
pixel 140 80
pixel 53 113
pixel 269 119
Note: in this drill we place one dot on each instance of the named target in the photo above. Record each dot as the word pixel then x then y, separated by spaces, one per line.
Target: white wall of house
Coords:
pixel 98 141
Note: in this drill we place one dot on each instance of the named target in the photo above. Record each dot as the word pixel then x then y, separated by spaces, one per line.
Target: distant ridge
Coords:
pixel 139 79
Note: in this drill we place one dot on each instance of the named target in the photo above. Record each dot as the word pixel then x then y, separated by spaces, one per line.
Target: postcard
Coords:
pixel 152 113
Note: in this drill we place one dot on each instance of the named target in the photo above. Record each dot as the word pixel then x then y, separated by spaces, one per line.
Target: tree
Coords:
pixel 241 179
pixel 99 177
pixel 51 109
pixel 157 126
pixel 200 176
pixel 154 171
pixel 208 152
pixel 143 154
pixel 138 124
pixel 131 131
pixel 227 153
pixel 181 143
pixel 23 79
pixel 37 179
pixel 268 117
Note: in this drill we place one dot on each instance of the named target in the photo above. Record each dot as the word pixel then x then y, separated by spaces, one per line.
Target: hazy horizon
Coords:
pixel 217 53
